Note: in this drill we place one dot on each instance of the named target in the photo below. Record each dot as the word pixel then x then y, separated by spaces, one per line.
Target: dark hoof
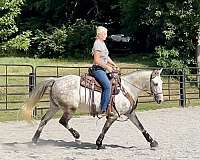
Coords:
pixel 36 137
pixel 74 133
pixel 154 144
pixel 34 140
pixel 100 147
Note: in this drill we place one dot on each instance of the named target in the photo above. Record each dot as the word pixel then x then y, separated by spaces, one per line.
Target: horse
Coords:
pixel 66 93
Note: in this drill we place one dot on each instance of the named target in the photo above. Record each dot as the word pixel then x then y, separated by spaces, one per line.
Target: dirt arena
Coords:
pixel 177 130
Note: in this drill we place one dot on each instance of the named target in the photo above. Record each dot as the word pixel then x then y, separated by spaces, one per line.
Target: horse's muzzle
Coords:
pixel 158 98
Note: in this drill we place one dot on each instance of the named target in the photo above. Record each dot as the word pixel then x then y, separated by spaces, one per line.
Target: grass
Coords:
pixel 127 61
pixel 133 61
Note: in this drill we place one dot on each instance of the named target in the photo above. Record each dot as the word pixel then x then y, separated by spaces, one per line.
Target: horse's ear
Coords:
pixel 157 72
pixel 160 70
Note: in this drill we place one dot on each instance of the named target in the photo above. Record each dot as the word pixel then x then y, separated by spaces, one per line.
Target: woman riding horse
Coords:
pixel 67 94
pixel 101 64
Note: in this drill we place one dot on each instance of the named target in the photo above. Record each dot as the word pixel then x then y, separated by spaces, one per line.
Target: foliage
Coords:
pixel 65 28
pixel 172 24
pixel 21 42
pixel 10 39
pixel 41 14
pixel 170 59
pixel 70 40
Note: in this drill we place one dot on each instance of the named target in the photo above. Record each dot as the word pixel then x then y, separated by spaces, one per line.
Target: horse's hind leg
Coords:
pixel 64 121
pixel 48 115
pixel 134 119
pixel 106 126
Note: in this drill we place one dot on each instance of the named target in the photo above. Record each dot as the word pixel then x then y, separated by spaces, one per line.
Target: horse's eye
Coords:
pixel 155 84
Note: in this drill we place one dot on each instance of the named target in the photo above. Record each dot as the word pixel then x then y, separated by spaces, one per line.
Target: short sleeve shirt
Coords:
pixel 101 46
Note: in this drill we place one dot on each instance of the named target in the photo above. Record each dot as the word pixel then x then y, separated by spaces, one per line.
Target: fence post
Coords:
pixel 31 87
pixel 182 100
pixel 31 82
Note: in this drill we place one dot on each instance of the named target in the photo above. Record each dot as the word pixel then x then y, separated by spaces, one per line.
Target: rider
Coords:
pixel 102 64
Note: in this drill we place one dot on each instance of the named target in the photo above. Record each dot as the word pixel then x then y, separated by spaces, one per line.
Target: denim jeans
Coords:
pixel 103 80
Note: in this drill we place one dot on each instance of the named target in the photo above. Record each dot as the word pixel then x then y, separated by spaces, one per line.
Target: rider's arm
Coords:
pixel 110 61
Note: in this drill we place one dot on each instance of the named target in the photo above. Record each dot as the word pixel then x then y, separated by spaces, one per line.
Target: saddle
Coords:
pixel 88 81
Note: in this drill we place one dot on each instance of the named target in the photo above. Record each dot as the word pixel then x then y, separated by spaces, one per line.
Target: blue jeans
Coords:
pixel 103 80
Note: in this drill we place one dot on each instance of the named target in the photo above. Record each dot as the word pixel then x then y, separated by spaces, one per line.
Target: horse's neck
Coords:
pixel 136 82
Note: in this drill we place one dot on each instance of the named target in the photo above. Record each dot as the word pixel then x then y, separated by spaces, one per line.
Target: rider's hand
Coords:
pixel 117 68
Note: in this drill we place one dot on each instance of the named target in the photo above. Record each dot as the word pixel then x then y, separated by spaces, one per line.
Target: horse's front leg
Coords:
pixel 106 126
pixel 134 119
pixel 64 121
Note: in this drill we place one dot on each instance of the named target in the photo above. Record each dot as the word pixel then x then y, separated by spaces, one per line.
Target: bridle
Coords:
pixel 153 75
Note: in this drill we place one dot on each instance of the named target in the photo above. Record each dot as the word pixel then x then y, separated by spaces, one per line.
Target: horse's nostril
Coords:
pixel 159 101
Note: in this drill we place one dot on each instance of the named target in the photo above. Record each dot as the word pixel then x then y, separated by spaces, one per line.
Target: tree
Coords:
pixel 46 18
pixel 171 24
pixel 10 36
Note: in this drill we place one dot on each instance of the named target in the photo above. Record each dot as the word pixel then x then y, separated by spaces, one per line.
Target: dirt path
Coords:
pixel 177 131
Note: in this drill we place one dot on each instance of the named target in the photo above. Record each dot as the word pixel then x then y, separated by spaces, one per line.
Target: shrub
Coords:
pixel 170 59
pixel 74 40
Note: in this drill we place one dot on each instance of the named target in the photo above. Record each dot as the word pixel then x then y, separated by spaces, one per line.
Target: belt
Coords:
pixel 96 67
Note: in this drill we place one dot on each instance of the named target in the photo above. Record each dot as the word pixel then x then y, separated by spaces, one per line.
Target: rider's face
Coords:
pixel 103 35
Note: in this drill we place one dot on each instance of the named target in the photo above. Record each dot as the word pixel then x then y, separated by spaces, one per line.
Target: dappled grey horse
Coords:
pixel 67 94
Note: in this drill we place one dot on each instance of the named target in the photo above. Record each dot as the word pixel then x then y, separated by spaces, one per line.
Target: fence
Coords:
pixel 14 85
pixel 17 81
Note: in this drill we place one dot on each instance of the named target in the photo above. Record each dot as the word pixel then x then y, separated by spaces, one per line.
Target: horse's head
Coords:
pixel 156 86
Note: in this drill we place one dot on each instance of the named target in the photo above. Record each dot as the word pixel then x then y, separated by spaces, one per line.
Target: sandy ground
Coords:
pixel 177 131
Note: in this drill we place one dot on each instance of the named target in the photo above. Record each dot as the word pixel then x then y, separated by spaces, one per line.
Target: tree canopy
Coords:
pixel 170 27
pixel 50 28
pixel 10 36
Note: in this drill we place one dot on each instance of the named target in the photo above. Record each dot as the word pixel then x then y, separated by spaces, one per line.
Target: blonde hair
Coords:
pixel 100 29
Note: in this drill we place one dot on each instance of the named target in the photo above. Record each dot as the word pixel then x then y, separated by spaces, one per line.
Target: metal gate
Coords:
pixel 15 85
pixel 17 82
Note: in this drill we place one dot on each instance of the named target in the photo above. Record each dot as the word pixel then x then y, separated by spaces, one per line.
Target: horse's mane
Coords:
pixel 137 74
pixel 140 78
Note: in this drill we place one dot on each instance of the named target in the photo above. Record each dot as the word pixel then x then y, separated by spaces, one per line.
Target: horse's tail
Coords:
pixel 36 95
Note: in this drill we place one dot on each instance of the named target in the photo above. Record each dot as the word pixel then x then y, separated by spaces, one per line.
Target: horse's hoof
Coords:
pixel 34 140
pixel 78 141
pixel 36 137
pixel 154 144
pixel 100 147
pixel 74 133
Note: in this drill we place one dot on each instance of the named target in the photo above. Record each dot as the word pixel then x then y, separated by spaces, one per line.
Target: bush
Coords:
pixel 73 40
pixel 17 45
